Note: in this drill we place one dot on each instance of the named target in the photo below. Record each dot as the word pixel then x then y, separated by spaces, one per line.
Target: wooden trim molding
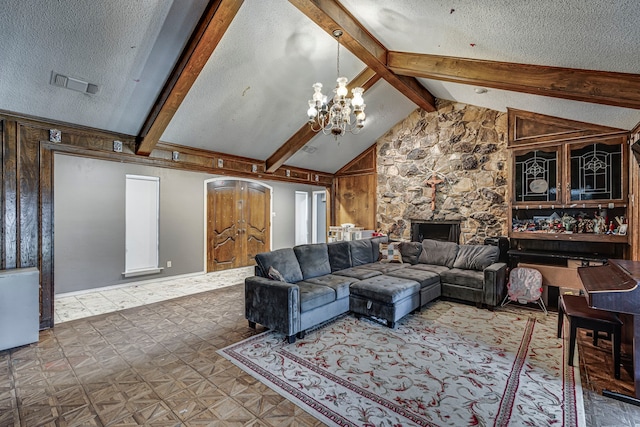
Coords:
pixel 527 128
pixel 599 87
pixel 365 163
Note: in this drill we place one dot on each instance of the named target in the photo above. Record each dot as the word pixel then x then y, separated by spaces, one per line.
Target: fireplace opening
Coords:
pixel 446 231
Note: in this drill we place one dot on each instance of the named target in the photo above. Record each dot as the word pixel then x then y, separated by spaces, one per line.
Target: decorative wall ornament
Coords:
pixel 433 182
pixel 117 146
pixel 55 135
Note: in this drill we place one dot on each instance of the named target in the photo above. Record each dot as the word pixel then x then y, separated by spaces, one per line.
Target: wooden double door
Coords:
pixel 238 223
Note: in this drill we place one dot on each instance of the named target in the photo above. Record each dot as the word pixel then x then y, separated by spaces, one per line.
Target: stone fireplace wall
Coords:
pixel 466 146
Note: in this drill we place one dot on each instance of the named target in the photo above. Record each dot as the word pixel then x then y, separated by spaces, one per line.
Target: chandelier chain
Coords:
pixel 338 59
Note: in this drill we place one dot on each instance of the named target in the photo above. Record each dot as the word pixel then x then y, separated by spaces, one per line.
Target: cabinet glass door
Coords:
pixel 536 176
pixel 596 172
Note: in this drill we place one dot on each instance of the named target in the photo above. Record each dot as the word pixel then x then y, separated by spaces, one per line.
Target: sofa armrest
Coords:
pixel 495 277
pixel 273 304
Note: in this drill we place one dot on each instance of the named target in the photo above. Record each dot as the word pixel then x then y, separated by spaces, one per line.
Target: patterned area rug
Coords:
pixel 451 364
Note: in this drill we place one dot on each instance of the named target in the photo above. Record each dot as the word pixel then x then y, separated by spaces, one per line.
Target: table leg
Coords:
pixel 636 369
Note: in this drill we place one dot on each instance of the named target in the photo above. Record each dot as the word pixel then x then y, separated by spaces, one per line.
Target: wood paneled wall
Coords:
pixel 27 206
pixel 354 192
pixel 26 192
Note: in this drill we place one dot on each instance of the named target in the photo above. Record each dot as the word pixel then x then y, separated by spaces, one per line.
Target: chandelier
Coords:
pixel 341 114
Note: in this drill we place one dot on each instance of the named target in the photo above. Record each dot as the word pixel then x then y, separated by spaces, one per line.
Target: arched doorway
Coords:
pixel 238 222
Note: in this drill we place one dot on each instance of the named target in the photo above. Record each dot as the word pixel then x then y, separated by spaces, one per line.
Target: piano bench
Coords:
pixel 584 317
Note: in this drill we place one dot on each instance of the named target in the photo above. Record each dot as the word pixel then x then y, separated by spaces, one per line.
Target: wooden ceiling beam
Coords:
pixel 205 38
pixel 598 87
pixel 330 15
pixel 365 80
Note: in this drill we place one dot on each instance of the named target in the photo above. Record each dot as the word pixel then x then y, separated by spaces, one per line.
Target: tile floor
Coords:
pixel 106 300
pixel 156 364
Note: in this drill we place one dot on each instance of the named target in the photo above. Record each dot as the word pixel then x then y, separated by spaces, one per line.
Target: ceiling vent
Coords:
pixel 309 149
pixel 78 85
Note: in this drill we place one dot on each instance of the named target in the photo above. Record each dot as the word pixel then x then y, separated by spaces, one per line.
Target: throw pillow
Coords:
pixel 390 252
pixel 275 275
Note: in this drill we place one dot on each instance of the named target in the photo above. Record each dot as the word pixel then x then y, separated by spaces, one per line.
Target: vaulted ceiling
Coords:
pixel 234 76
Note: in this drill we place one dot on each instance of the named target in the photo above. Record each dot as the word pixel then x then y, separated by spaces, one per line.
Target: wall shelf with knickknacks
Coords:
pixel 602 224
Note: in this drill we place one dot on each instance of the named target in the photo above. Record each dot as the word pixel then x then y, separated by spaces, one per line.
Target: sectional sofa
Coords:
pixel 297 288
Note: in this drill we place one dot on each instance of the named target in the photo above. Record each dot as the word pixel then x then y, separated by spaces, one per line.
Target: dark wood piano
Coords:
pixel 614 287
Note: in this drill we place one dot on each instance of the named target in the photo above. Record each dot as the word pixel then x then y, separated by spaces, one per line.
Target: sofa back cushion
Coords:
pixel 361 252
pixel 435 252
pixel 313 260
pixel 476 257
pixel 339 256
pixel 410 251
pixel 283 260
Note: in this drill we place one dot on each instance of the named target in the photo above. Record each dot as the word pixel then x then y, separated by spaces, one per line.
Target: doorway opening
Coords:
pixel 302 218
pixel 319 217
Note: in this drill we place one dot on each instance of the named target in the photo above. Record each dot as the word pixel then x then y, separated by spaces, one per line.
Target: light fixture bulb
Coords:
pixel 317 94
pixel 342 90
pixel 357 100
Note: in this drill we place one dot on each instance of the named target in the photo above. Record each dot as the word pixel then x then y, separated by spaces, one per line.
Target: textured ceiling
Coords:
pixel 252 94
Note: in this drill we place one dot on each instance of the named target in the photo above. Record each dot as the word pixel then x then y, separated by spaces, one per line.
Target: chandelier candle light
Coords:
pixel 335 118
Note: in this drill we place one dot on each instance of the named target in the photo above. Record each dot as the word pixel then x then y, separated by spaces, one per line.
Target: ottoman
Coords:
pixel 430 287
pixel 384 297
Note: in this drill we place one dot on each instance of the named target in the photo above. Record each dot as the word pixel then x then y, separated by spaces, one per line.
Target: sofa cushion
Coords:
pixel 476 257
pixel 314 296
pixel 361 252
pixel 410 251
pixel 340 284
pixel 339 255
pixel 383 267
pixel 358 273
pixel 375 245
pixel 313 259
pixel 468 278
pixel 428 267
pixel 284 260
pixel 438 253
pixel 386 289
pixel 390 252
pixel 424 277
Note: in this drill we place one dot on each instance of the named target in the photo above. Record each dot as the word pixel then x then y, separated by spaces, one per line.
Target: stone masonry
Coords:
pixel 466 147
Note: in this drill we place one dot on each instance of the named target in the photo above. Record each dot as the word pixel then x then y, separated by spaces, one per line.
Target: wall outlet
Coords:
pixel 168 264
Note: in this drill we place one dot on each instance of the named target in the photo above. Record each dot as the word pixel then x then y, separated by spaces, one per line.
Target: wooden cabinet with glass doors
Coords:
pixel 573 191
